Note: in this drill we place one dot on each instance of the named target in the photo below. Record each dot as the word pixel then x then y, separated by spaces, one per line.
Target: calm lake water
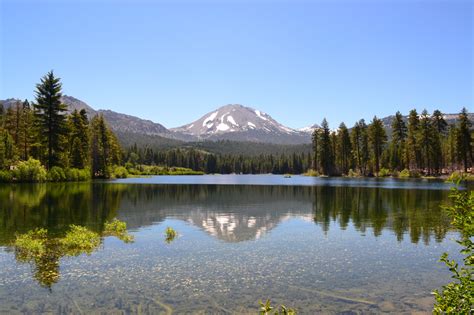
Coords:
pixel 318 245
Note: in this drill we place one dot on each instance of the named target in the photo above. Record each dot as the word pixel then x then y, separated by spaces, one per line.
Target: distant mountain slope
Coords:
pixel 240 123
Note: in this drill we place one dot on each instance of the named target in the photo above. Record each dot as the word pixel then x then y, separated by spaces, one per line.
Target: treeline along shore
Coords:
pixel 44 141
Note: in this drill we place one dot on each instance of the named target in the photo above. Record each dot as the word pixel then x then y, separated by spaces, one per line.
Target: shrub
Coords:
pixel 6 176
pixel 120 172
pixel 77 175
pixel 384 172
pixel 56 174
pixel 311 172
pixel 352 173
pixel 409 174
pixel 404 174
pixel 30 171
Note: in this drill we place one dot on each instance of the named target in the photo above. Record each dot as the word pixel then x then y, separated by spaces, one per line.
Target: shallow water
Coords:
pixel 318 245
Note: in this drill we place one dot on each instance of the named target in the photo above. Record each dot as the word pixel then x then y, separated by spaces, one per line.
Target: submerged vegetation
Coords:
pixel 44 250
pixel 457 297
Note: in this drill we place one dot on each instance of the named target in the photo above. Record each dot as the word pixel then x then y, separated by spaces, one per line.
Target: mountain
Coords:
pixel 309 129
pixel 240 123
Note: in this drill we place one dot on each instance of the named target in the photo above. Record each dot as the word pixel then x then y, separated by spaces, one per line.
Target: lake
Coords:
pixel 318 245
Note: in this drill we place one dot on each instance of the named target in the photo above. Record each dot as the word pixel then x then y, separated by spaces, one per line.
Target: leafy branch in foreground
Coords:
pixel 458 296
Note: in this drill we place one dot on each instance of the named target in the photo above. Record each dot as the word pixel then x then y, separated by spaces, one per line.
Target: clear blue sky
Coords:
pixel 299 61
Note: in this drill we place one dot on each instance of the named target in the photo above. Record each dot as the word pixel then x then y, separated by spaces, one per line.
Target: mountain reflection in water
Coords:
pixel 229 213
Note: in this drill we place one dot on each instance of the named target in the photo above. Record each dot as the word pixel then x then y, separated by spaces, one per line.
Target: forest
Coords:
pixel 422 145
pixel 42 140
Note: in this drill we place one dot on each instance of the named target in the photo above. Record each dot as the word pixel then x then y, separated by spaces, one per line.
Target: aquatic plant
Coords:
pixel 79 240
pixel 266 309
pixel 118 229
pixel 31 244
pixel 458 296
pixel 44 251
pixel 170 234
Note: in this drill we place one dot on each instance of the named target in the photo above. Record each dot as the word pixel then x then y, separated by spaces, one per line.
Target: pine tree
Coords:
pixel 398 144
pixel 26 134
pixel 377 138
pixel 78 139
pixel 344 149
pixel 326 154
pixel 413 150
pixel 360 146
pixel 439 123
pixel 50 118
pixel 105 149
pixel 315 140
pixel 464 139
pixel 425 141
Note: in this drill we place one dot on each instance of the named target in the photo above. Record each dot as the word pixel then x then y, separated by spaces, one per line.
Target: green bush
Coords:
pixel 311 172
pixel 406 173
pixel 6 176
pixel 56 174
pixel 77 175
pixel 30 171
pixel 384 172
pixel 120 172
pixel 352 173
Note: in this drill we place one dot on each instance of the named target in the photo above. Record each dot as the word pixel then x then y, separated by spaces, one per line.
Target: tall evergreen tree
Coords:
pixel 315 141
pixel 360 145
pixel 26 133
pixel 425 141
pixel 377 138
pixel 398 144
pixel 414 154
pixel 344 149
pixel 439 123
pixel 464 139
pixel 326 154
pixel 105 149
pixel 50 118
pixel 78 139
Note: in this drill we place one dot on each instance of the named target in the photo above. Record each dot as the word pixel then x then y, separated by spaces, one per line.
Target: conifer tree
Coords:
pixel 464 139
pixel 326 154
pixel 344 149
pixel 315 141
pixel 360 145
pixel 398 144
pixel 414 154
pixel 50 118
pixel 377 138
pixel 78 139
pixel 26 133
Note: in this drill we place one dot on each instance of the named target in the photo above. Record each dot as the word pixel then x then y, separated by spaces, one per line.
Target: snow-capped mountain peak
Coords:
pixel 245 122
